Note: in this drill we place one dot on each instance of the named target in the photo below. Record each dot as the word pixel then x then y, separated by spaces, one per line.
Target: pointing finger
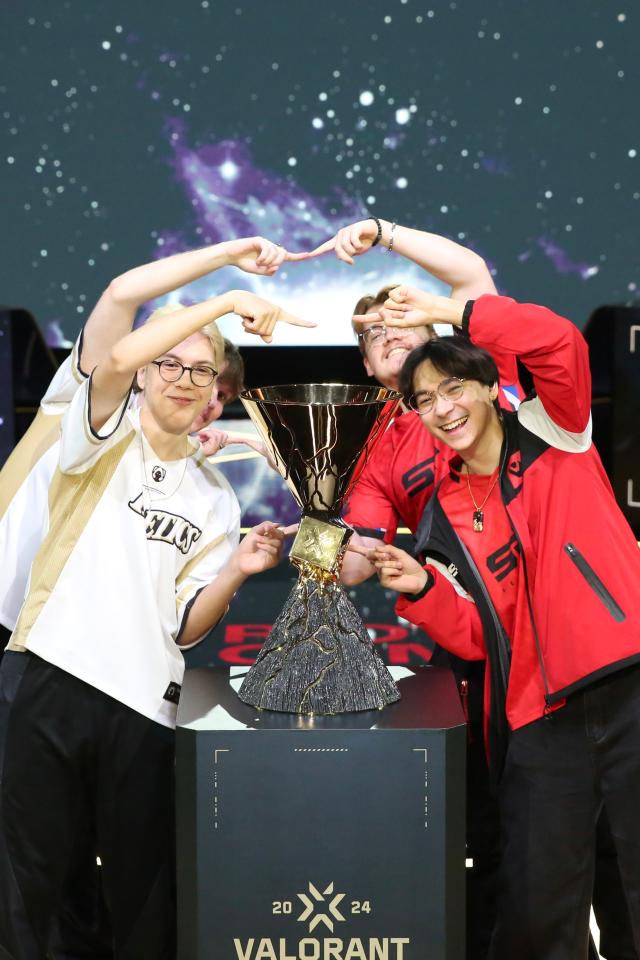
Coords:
pixel 296 321
pixel 325 247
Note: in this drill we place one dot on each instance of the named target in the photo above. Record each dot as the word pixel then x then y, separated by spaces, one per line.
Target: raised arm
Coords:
pixel 550 346
pixel 114 313
pixel 112 377
pixel 463 270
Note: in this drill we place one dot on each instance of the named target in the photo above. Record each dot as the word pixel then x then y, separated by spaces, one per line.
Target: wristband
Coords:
pixel 466 316
pixel 411 597
pixel 379 226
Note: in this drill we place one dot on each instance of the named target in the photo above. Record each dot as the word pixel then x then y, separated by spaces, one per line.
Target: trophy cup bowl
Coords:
pixel 318 657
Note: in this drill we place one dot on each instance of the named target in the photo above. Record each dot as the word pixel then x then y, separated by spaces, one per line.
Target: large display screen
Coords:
pixel 133 129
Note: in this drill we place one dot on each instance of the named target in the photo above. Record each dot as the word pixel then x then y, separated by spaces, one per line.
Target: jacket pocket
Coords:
pixel 595 582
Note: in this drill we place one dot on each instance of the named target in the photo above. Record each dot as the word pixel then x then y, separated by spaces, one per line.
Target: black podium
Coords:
pixel 320 838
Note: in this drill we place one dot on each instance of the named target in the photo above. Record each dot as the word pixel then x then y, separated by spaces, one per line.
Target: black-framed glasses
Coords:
pixel 450 389
pixel 171 370
pixel 377 333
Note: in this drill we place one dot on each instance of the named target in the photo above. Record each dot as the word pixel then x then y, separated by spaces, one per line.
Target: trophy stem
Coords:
pixel 318 658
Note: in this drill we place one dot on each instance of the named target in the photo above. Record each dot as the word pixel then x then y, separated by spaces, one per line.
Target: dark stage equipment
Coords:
pixel 7 426
pixel 324 838
pixel 613 335
pixel 26 366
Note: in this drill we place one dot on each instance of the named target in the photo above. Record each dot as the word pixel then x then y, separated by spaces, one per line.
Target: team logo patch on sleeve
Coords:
pixel 172 693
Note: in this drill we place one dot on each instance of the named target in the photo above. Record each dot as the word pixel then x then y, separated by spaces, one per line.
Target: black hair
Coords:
pixel 451 356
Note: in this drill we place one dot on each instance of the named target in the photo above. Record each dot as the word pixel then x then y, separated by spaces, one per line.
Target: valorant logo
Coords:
pixel 310 907
pixel 322 908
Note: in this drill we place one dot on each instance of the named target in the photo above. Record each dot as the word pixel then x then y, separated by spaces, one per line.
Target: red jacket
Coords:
pixel 406 464
pixel 581 562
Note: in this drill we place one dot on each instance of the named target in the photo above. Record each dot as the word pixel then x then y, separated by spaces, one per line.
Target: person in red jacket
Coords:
pixel 395 486
pixel 529 563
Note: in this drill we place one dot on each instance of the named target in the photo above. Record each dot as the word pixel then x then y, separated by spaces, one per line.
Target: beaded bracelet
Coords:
pixel 379 226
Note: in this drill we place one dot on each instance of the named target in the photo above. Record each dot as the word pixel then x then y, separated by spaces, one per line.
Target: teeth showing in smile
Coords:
pixel 454 424
pixel 396 350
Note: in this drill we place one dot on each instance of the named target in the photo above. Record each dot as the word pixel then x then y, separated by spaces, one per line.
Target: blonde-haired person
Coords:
pixel 24 490
pixel 141 559
pixel 23 499
pixel 226 387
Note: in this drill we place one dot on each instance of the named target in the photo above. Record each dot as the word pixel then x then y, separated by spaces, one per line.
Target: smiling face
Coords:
pixel 174 406
pixel 384 358
pixel 465 424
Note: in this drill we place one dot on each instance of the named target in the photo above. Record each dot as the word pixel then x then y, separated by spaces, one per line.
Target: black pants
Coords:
pixel 483 848
pixel 560 773
pixel 77 761
pixel 83 927
pixel 5 636
pixel 609 901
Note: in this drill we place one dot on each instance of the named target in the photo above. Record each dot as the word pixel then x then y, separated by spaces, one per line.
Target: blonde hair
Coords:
pixel 209 330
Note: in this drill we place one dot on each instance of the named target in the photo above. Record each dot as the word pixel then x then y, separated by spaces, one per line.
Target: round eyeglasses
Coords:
pixel 450 389
pixel 172 370
pixel 377 332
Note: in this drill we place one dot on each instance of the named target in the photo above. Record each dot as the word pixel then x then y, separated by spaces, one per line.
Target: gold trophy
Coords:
pixel 319 658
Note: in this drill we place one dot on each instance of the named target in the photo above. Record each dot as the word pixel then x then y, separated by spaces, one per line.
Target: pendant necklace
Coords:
pixel 158 474
pixel 478 515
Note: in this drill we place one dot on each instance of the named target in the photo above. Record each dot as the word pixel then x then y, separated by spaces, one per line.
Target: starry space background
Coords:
pixel 134 129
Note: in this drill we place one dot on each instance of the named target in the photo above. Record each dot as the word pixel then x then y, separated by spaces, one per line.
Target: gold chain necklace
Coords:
pixel 478 515
pixel 159 476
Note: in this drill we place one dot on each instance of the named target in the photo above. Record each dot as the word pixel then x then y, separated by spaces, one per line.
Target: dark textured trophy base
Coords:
pixel 318 658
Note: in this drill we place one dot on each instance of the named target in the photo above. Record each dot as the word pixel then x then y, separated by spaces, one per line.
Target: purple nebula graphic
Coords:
pixel 562 261
pixel 232 197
